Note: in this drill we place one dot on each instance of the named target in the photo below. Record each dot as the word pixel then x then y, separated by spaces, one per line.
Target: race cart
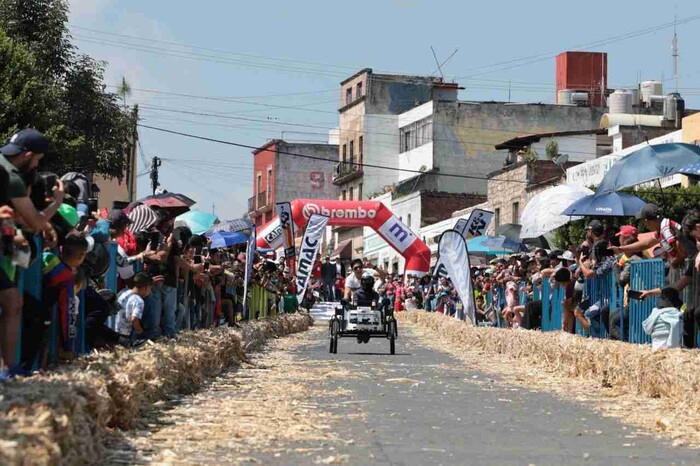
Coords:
pixel 363 323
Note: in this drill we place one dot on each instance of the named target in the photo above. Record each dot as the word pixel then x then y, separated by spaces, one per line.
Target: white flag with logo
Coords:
pixel 475 225
pixel 313 233
pixel 249 256
pixel 284 213
pixel 455 257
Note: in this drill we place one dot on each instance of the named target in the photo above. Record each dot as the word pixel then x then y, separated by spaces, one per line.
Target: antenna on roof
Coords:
pixel 674 51
pixel 437 62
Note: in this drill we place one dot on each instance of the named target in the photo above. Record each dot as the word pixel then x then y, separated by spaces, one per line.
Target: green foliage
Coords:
pixel 46 84
pixel 552 149
pixel 530 155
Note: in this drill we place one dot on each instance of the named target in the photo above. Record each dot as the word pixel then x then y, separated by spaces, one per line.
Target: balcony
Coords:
pixel 346 171
pixel 261 206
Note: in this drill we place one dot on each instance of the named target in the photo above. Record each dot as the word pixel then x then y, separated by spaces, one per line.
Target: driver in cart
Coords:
pixel 366 296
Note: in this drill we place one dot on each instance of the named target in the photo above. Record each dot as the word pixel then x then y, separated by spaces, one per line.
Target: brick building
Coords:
pixel 280 175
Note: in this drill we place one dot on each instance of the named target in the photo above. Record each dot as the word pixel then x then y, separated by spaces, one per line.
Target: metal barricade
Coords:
pixel 644 275
pixel 111 279
pixel 547 321
pixel 601 291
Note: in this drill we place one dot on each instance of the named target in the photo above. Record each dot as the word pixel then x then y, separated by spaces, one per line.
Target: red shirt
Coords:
pixel 316 271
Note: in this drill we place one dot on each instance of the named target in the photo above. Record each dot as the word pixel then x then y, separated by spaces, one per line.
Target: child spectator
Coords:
pixel 59 285
pixel 131 308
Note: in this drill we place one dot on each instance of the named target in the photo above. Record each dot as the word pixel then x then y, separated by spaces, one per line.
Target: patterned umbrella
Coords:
pixel 143 218
pixel 239 224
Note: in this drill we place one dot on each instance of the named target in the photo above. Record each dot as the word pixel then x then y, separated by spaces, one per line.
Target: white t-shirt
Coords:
pixel 130 305
pixel 353 282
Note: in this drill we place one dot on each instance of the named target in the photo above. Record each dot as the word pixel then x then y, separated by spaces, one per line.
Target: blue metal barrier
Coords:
pixel 558 296
pixel 600 291
pixel 547 325
pixel 644 275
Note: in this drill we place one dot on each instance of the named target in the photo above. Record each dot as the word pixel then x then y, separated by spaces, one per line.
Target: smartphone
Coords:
pixel 51 182
pixel 206 266
pixel 634 294
pixel 205 251
pixel 197 259
pixel 154 239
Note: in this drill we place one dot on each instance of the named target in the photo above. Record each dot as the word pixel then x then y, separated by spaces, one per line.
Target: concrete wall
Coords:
pixel 419 159
pixel 579 147
pixel 465 133
pixel 381 148
pixel 297 177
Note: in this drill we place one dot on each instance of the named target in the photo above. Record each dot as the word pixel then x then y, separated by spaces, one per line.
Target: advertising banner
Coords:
pixel 455 257
pixel 310 244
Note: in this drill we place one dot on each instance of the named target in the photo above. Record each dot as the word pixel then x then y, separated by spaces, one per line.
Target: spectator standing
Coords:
pixel 18 160
pixel 623 267
pixel 328 275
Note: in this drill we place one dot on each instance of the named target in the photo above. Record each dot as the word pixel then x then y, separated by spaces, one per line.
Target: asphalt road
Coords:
pixel 423 407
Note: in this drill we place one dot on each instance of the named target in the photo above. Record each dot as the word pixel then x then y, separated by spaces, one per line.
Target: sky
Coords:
pixel 248 72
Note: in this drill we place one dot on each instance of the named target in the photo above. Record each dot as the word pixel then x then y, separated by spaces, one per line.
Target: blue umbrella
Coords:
pixel 494 245
pixel 196 220
pixel 692 169
pixel 647 164
pixel 225 239
pixel 606 205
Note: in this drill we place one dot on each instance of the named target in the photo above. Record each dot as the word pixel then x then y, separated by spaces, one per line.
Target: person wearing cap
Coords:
pixel 666 235
pixel 18 160
pixel 627 235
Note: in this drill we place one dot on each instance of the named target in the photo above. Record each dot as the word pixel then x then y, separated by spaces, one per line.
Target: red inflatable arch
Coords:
pixel 372 214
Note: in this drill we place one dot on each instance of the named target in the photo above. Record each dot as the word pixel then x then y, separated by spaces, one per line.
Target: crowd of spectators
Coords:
pixel 169 279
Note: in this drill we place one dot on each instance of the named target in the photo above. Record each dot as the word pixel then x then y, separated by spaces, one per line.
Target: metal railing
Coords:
pixel 251 204
pixel 346 168
pixel 262 200
pixel 644 275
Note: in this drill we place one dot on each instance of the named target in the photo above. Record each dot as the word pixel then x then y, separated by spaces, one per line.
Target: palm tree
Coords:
pixel 124 90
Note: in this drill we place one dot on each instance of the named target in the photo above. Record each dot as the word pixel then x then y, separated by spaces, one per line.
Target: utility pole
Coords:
pixel 155 163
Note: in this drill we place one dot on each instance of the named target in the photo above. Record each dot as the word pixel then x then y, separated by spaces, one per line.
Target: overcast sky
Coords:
pixel 255 71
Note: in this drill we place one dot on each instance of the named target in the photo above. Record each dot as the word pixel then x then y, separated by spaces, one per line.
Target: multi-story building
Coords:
pixel 280 175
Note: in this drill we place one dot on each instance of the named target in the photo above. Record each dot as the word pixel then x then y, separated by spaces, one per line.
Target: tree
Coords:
pixel 552 149
pixel 52 87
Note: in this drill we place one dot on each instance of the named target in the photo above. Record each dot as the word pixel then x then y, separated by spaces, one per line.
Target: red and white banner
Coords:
pixel 310 244
pixel 372 214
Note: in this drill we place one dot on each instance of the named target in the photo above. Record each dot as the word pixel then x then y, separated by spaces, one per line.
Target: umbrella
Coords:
pixel 174 203
pixel 143 218
pixel 494 245
pixel 511 230
pixel 609 204
pixel 225 239
pixel 239 224
pixel 197 221
pixel 647 164
pixel 691 170
pixel 544 211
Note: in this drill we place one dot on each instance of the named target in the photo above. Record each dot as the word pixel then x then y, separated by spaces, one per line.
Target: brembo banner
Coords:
pixel 307 254
pixel 284 212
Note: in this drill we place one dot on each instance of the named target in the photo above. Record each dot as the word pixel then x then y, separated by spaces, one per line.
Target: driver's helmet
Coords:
pixel 367 282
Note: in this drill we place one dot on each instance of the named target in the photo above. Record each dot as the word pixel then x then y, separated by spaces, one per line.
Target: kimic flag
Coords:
pixel 310 244
pixel 475 225
pixel 249 257
pixel 284 212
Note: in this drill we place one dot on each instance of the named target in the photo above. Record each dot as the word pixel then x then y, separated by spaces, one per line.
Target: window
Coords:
pixel 348 96
pixel 345 153
pixel 352 152
pixel 259 184
pixel 360 143
pixel 359 192
pixel 358 94
pixel 516 212
pixel 350 192
pixel 343 195
pixel 408 221
pixel 269 183
pixel 416 134
pixel 497 217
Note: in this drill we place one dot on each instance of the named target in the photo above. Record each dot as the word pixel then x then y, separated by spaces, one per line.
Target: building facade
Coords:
pixel 281 174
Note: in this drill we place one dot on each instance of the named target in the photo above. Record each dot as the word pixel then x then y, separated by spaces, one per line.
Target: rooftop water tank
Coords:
pixel 579 98
pixel 634 96
pixel 564 96
pixel 649 88
pixel 620 101
pixel 674 106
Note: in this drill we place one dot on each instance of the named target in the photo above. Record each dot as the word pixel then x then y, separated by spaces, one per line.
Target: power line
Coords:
pixel 361 165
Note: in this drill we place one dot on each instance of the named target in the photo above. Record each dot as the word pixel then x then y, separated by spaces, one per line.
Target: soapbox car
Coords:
pixel 363 323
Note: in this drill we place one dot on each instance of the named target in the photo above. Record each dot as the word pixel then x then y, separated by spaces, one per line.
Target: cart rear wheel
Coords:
pixel 333 331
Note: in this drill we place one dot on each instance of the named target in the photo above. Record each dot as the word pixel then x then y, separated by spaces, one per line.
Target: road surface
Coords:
pixel 423 407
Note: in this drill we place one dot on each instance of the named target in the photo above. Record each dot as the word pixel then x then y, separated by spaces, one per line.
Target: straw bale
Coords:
pixel 669 379
pixel 61 417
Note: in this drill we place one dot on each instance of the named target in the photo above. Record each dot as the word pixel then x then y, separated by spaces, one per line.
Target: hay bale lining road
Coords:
pixel 60 418
pixel 671 375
